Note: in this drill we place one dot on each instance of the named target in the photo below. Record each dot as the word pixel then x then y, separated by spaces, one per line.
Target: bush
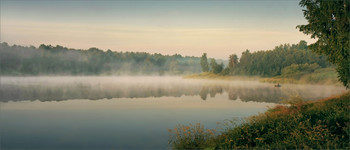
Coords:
pixel 297 70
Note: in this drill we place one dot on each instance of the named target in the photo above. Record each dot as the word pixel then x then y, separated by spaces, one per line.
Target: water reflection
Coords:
pixel 256 94
pixel 133 118
pixel 94 88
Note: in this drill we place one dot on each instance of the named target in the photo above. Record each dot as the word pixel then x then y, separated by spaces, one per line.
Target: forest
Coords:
pixel 284 60
pixel 59 60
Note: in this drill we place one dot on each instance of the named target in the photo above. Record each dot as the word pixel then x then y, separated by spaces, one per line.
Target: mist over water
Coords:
pixel 94 88
pixel 127 112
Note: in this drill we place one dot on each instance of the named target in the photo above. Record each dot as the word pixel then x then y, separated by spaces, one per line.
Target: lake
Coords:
pixel 128 112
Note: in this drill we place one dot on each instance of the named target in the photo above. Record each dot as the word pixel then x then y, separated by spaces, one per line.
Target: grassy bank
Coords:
pixel 320 76
pixel 213 76
pixel 322 124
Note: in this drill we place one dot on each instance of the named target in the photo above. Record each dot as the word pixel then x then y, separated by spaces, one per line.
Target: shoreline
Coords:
pixel 306 79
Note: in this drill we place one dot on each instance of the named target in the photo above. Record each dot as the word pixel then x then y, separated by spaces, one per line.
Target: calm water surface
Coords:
pixel 127 112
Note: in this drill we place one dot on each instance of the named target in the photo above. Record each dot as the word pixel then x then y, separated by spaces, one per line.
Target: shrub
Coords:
pixel 190 137
pixel 297 70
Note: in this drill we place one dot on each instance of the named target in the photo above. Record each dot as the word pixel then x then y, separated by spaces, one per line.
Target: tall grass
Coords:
pixel 193 136
pixel 323 124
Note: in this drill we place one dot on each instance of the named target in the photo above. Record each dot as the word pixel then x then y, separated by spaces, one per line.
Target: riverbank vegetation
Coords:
pixel 268 63
pixel 284 64
pixel 322 124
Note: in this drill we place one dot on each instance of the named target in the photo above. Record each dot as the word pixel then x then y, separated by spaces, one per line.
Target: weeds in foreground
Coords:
pixel 193 136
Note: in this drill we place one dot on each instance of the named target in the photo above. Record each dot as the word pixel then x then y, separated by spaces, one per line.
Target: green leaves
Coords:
pixel 329 22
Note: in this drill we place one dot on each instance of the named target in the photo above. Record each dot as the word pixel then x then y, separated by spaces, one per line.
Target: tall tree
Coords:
pixel 233 62
pixel 204 63
pixel 328 21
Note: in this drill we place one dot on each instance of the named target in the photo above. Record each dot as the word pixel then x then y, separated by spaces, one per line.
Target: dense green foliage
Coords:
pixel 297 70
pixel 324 124
pixel 329 22
pixel 271 62
pixel 204 63
pixel 216 68
pixel 58 60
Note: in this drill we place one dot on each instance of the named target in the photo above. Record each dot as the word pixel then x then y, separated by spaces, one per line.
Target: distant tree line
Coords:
pixel 283 58
pixel 59 60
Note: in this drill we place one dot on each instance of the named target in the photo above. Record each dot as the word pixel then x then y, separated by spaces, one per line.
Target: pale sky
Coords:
pixel 189 28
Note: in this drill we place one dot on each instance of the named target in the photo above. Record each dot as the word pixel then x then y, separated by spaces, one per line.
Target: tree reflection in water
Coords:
pixel 260 94
pixel 57 91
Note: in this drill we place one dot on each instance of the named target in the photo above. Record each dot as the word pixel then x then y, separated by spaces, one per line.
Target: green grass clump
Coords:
pixel 193 136
pixel 323 124
pixel 213 76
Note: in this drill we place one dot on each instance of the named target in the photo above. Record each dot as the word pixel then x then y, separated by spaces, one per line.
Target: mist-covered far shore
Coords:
pixel 59 61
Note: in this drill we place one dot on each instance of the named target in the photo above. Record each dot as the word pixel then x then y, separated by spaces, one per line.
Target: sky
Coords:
pixel 190 28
